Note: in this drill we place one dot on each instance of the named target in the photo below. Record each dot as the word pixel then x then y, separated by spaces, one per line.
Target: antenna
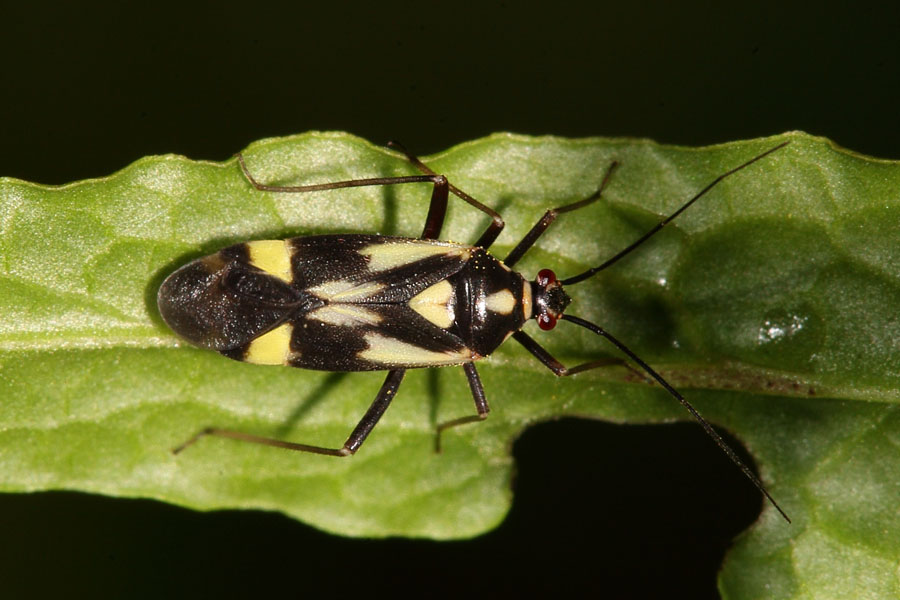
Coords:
pixel 590 272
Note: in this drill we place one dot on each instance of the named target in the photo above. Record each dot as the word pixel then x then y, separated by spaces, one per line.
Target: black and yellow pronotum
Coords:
pixel 371 302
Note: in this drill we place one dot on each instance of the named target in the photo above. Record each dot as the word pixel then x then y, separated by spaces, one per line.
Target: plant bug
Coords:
pixel 359 302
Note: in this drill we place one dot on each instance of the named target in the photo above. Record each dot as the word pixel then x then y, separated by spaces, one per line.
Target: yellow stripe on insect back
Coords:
pixel 501 302
pixel 345 315
pixel 273 257
pixel 526 301
pixel 434 303
pixel 344 290
pixel 391 351
pixel 390 255
pixel 271 348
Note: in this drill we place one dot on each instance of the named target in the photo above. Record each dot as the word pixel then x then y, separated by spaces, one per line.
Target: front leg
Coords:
pixel 481 406
pixel 560 370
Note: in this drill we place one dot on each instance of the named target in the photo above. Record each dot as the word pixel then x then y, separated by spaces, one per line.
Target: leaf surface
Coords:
pixel 772 304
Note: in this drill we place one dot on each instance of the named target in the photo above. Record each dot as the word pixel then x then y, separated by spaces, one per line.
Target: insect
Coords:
pixel 360 302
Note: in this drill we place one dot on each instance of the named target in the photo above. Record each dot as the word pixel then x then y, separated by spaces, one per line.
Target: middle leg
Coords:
pixel 481 406
pixel 497 224
pixel 560 370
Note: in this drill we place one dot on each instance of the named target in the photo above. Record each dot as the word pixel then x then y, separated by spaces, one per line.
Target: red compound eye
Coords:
pixel 544 278
pixel 546 322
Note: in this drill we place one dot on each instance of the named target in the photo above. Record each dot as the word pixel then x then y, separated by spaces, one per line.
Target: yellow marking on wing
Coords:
pixel 342 290
pixel 345 315
pixel 384 256
pixel 273 257
pixel 501 302
pixel 271 348
pixel 434 303
pixel 391 351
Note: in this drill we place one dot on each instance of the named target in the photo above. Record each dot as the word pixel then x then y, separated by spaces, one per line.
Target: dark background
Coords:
pixel 87 90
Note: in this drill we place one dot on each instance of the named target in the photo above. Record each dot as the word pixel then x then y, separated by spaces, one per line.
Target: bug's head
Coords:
pixel 549 298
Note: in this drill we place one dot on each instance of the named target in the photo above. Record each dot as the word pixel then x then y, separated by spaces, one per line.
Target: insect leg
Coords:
pixel 376 410
pixel 357 437
pixel 497 224
pixel 559 369
pixel 550 216
pixel 481 406
pixel 436 210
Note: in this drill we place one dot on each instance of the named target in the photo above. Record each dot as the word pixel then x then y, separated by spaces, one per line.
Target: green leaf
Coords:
pixel 772 304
